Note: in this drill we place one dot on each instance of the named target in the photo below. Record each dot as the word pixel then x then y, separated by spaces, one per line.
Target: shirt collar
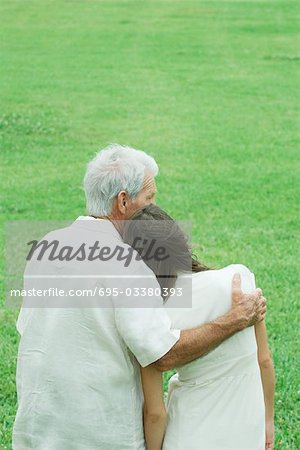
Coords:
pixel 97 225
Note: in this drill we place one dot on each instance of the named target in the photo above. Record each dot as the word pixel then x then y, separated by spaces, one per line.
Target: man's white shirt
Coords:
pixel 78 376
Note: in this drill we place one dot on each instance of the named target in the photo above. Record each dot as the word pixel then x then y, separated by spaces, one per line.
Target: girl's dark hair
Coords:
pixel 151 229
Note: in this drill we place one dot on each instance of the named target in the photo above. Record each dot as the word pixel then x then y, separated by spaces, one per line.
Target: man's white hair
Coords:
pixel 115 168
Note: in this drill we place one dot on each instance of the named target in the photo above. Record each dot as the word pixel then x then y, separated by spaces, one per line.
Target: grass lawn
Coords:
pixel 208 88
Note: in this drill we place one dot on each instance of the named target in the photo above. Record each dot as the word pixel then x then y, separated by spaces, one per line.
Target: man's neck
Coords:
pixel 100 217
pixel 117 223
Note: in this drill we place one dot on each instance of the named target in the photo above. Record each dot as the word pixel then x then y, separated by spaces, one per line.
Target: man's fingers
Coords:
pixel 263 310
pixel 262 305
pixel 259 292
pixel 262 313
pixel 263 301
pixel 236 282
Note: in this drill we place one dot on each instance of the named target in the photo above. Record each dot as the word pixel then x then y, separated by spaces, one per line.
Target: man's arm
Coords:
pixel 246 310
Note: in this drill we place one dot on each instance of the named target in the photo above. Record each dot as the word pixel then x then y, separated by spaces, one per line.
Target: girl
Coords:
pixel 224 400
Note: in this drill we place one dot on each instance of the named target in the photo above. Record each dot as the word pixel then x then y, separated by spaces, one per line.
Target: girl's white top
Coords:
pixel 216 402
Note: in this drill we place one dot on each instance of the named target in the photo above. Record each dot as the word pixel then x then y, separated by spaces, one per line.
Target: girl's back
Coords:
pixel 216 402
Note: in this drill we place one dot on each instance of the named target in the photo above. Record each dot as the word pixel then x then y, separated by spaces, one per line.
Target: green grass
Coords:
pixel 210 89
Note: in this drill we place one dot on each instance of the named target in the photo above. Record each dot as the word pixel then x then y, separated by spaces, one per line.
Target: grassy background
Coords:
pixel 209 89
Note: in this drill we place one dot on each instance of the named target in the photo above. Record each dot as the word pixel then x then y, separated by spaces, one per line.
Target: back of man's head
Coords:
pixel 113 169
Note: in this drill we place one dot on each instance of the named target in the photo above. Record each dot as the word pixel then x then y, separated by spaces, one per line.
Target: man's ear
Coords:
pixel 122 199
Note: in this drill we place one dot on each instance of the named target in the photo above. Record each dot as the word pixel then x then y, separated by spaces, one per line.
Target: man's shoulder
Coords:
pixel 93 242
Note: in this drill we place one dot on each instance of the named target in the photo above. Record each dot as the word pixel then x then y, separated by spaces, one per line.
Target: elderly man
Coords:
pixel 78 374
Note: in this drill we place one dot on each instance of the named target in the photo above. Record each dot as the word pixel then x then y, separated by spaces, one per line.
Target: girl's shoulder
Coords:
pixel 224 271
pixel 224 275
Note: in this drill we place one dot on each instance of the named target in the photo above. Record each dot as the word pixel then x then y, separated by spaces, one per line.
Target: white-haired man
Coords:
pixel 78 374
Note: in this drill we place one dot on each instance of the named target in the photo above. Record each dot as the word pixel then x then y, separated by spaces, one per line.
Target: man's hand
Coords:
pixel 246 310
pixel 249 308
